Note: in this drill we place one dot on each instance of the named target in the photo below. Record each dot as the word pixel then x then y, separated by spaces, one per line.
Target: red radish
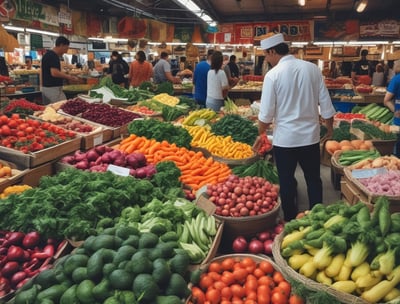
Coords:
pixel 31 239
pixel 263 236
pixel 268 246
pixel 256 246
pixel 239 244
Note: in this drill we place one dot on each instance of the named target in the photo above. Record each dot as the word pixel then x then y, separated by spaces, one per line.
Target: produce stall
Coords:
pixel 147 212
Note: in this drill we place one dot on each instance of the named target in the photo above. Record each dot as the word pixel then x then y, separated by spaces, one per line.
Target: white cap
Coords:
pixel 272 41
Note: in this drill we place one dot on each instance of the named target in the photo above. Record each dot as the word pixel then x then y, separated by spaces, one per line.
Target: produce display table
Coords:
pixel 35 96
pixel 250 94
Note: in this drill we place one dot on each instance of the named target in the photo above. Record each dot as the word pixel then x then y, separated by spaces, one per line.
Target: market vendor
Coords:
pixel 362 70
pixel 51 74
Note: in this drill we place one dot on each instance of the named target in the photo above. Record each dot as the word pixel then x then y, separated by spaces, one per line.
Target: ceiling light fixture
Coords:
pixel 195 9
pixel 361 5
pixel 301 2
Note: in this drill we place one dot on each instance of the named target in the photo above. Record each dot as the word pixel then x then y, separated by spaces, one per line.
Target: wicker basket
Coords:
pixel 248 226
pixel 291 274
pixel 237 162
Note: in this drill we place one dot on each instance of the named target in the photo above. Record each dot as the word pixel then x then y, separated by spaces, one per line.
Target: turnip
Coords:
pixel 100 149
pixel 132 172
pixel 79 156
pixel 83 164
pixel 132 161
pixel 141 158
pixel 105 158
pixel 92 155
pixel 120 161
pixel 114 154
pixel 141 172
pixel 69 159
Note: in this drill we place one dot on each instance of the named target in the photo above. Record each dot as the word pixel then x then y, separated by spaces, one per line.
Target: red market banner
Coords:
pixel 247 33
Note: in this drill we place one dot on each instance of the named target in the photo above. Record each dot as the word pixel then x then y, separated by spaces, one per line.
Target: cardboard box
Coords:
pixel 34 159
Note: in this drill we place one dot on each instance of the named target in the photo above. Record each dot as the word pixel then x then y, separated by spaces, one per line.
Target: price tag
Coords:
pixel 98 139
pixel 365 173
pixel 118 170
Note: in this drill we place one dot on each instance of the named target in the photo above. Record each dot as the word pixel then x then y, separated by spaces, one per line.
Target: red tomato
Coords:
pixel 295 299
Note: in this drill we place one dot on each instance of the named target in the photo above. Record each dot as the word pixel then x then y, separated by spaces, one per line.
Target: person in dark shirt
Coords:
pixel 362 68
pixel 118 68
pixel 232 71
pixel 52 76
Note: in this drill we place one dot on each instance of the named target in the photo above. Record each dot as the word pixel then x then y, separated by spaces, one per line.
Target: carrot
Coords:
pixel 154 147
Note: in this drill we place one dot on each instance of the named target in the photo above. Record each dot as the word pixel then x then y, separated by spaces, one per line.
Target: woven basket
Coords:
pixel 291 274
pixel 237 162
pixel 338 168
pixel 249 226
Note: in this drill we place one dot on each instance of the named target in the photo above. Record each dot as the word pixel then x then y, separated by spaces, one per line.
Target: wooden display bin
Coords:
pixel 34 159
pixel 353 192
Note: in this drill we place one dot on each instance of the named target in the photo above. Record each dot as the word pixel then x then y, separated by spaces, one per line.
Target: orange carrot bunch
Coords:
pixel 197 170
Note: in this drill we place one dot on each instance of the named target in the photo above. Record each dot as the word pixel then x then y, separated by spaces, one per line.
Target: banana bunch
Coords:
pixel 197 236
pixel 199 117
pixel 166 99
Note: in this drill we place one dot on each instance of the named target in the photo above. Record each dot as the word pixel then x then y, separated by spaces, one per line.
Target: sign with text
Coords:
pixel 30 10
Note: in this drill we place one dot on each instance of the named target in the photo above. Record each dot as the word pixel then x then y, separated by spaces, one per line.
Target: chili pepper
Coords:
pixel 4 286
pixel 22 283
pixel 48 251
pixel 31 264
pixel 3 250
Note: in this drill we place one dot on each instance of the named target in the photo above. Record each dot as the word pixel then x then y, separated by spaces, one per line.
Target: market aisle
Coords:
pixel 330 194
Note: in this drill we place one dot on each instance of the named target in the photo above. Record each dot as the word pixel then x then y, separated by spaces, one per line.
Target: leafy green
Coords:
pixel 239 128
pixel 159 130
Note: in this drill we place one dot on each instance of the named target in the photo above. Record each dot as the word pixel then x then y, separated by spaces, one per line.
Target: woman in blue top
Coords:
pixel 392 101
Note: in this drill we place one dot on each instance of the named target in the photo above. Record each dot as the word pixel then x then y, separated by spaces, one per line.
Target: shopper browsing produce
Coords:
pixel 217 83
pixel 118 69
pixel 140 70
pixel 392 100
pixel 292 92
pixel 200 79
pixel 162 70
pixel 52 76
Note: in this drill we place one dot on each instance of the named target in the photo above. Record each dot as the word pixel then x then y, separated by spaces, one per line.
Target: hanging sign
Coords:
pixel 385 29
pixel 29 10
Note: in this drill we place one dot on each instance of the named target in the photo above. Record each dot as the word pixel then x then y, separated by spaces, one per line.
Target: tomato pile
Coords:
pixel 243 196
pixel 242 281
pixel 30 135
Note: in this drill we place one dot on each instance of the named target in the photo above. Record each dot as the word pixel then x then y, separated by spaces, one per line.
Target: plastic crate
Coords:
pixel 344 107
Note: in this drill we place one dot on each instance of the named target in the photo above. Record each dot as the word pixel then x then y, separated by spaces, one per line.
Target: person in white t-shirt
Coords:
pixel 217 83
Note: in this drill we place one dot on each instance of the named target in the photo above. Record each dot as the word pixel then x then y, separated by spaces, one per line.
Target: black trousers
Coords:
pixel 286 160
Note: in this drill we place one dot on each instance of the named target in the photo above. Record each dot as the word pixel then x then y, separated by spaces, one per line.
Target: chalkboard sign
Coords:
pixel 36 41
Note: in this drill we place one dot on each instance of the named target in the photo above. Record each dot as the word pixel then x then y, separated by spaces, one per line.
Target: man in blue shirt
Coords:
pixel 392 100
pixel 200 80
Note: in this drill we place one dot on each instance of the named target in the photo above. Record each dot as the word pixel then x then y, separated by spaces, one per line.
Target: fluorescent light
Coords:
pixel 361 5
pixel 301 2
pixel 298 43
pixel 367 42
pixel 14 28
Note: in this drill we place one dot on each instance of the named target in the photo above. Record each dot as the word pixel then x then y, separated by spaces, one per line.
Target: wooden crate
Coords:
pixel 34 159
pixel 354 191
